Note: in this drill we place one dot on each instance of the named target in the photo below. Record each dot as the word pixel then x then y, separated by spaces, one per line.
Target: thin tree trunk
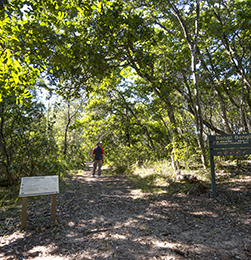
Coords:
pixel 175 134
pixel 192 43
pixel 191 108
pixel 66 128
pixel 3 146
pixel 128 136
pixel 242 107
pixel 69 118
pixel 198 114
pixel 222 102
pixel 232 53
pixel 168 106
pixel 174 157
pixel 143 127
pixel 248 99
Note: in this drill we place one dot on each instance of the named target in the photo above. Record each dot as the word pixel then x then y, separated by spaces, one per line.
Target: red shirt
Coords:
pixel 97 156
pixel 103 152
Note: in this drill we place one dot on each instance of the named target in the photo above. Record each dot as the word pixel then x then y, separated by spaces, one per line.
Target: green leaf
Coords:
pixel 99 7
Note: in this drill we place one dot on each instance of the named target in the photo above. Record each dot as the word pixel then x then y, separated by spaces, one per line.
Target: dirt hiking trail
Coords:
pixel 110 218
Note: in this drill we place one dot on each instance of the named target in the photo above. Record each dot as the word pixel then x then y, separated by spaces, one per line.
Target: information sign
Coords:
pixel 41 185
pixel 225 145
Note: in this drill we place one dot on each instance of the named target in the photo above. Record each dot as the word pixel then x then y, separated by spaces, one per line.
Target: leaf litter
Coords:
pixel 109 218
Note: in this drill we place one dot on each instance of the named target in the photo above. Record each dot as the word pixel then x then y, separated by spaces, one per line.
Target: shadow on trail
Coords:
pixel 111 218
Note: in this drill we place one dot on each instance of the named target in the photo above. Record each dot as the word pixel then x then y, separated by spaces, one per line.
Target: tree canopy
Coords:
pixel 151 79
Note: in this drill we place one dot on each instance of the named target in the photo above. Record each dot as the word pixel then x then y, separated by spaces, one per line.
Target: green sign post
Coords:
pixel 223 145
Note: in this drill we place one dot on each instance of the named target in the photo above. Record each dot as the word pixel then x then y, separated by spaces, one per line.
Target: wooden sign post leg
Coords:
pixel 53 207
pixel 213 176
pixel 24 212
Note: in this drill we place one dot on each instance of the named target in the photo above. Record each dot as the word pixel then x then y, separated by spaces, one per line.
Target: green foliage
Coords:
pixel 27 146
pixel 68 132
pixel 122 157
pixel 132 61
pixel 17 75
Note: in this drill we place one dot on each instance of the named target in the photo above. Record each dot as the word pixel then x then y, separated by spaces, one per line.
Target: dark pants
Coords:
pixel 97 163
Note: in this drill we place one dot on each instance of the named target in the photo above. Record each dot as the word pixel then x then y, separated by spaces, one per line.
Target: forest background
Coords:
pixel 150 79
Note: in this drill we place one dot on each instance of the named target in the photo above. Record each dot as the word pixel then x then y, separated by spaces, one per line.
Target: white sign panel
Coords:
pixel 40 185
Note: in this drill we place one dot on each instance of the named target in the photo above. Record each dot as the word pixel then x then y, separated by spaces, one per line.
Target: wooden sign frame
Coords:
pixel 35 186
pixel 226 145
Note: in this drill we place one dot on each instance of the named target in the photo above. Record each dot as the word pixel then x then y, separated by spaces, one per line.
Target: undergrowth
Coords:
pixel 158 177
pixel 9 196
pixel 154 177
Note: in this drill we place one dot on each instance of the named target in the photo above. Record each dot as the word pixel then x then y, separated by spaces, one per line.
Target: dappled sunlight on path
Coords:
pixel 110 218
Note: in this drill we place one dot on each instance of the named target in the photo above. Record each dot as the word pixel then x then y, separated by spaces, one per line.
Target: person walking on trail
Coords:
pixel 98 156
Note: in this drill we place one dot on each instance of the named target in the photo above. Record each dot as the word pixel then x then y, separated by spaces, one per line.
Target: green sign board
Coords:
pixel 225 145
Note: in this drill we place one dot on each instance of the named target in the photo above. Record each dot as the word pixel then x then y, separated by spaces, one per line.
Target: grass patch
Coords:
pixel 157 178
pixel 9 196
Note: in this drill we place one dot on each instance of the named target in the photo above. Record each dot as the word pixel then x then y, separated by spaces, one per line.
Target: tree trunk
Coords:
pixel 234 57
pixel 243 117
pixel 143 127
pixel 128 136
pixel 192 43
pixel 69 118
pixel 175 134
pixel 222 102
pixel 66 129
pixel 248 99
pixel 198 114
pixel 3 146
